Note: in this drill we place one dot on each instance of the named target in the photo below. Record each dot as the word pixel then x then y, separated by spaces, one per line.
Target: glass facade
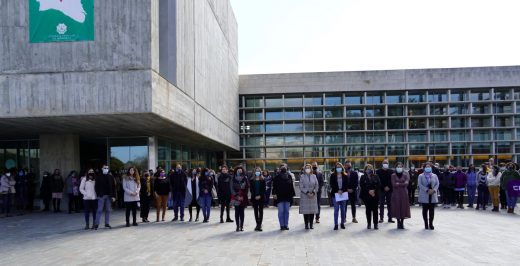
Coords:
pixel 449 126
pixel 171 154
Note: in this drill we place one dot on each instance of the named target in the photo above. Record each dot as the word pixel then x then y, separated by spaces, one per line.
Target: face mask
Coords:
pixel 257 173
pixel 179 169
pixel 413 168
pixel 502 168
pixel 308 171
pixel 385 166
pixel 194 172
pixel 105 171
pixel 314 168
pixel 347 167
pixel 370 171
pixel 239 173
pixel 7 174
pixel 207 173
pixel 399 170
pixel 161 174
pixel 339 170
pixel 283 170
pixel 428 170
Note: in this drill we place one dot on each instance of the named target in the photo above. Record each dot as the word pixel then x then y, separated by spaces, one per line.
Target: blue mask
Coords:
pixel 238 173
pixel 257 173
pixel 339 169
pixel 428 170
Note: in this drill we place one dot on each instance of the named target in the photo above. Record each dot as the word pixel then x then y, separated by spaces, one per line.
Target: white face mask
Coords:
pixel 399 170
pixel 105 171
pixel 8 174
pixel 307 170
pixel 385 166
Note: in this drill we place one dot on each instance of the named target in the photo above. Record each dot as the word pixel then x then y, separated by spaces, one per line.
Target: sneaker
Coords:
pixel 354 221
pixel 108 226
pixel 317 221
pixel 229 221
pixel 175 219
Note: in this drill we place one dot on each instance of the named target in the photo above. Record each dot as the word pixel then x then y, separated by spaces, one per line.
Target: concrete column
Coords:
pixel 152 152
pixel 59 152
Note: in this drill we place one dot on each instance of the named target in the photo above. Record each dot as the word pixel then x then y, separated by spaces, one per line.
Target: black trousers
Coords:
pixel 411 195
pixel 503 198
pixel 428 213
pixel 258 207
pixel 319 204
pixel 90 207
pixel 145 206
pixel 239 216
pixel 460 197
pixel 371 210
pixel 190 208
pixel 224 205
pixel 74 203
pixel 131 206
pixel 308 219
pixel 47 203
pixel 352 199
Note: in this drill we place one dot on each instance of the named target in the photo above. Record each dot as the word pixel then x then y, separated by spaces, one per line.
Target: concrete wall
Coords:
pixel 381 80
pixel 59 152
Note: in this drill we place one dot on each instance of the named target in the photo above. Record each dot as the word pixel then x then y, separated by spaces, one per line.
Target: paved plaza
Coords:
pixel 461 237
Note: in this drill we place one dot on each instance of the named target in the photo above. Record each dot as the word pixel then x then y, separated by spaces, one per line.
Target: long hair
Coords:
pixel 136 177
pixel 253 174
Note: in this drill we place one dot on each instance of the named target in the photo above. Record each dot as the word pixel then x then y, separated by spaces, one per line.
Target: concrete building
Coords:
pixel 451 116
pixel 143 92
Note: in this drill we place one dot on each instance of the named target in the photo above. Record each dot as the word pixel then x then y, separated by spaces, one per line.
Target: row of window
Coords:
pixel 391 137
pixel 379 124
pixel 355 98
pixel 377 150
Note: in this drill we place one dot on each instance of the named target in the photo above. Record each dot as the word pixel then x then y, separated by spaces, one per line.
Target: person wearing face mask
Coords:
pixel 146 196
pixel 493 180
pixel 87 188
pixel 257 190
pixel 428 185
pixel 178 182
pixel 471 185
pixel 447 185
pixel 321 181
pixel 131 188
pixel 353 182
pixel 400 203
pixel 370 189
pixel 193 193
pixel 57 190
pixel 339 185
pixel 105 192
pixel 283 194
pixel 224 193
pixel 239 191
pixel 7 190
pixel 412 186
pixel 205 185
pixel 268 187
pixel 510 175
pixel 460 181
pixel 308 189
pixel 385 176
pixel 161 191
pixel 73 183
pixel 502 197
pixel 483 190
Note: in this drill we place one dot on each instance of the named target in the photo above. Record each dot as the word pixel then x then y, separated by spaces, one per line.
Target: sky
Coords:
pixel 288 36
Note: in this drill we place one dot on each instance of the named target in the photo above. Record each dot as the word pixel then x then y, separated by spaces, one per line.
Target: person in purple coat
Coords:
pixel 461 179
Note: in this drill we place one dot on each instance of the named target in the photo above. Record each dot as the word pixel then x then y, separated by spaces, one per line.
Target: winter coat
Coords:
pixel 130 187
pixel 425 184
pixel 88 189
pixel 308 184
pixel 400 203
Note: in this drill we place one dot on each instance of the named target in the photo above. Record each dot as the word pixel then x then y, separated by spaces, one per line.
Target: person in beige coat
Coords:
pixel 309 187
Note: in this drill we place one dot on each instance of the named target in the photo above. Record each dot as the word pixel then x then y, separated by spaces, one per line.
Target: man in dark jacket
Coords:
pixel 319 175
pixel 353 182
pixel 385 176
pixel 283 194
pixel 224 193
pixel 178 180
pixel 105 191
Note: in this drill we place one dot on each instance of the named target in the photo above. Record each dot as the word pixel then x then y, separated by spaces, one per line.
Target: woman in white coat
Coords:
pixel 309 187
pixel 428 184
pixel 192 193
pixel 132 187
pixel 87 189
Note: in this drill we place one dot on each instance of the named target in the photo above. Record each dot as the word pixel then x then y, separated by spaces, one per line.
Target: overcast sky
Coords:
pixel 283 36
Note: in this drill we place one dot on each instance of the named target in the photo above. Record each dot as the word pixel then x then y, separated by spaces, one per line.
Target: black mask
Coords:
pixel 283 170
pixel 314 168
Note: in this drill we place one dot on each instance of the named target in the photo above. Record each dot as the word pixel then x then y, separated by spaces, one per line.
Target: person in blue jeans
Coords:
pixel 471 185
pixel 178 182
pixel 105 191
pixel 205 198
pixel 268 187
pixel 339 185
pixel 283 194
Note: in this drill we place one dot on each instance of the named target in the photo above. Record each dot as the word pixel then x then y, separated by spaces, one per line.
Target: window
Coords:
pixel 375 111
pixel 333 100
pixel 273 127
pixel 459 148
pixel 481 122
pixel 334 112
pixel 356 138
pixel 481 109
pixel 417 149
pixel 395 110
pixel 355 125
pixel 314 126
pixel 438 110
pixel 293 101
pixel 313 113
pixel 395 137
pixel 417 123
pixel 503 94
pixel 274 153
pixel 294 152
pixel 252 128
pixel 459 136
pixel 355 150
pixel 293 113
pixel 503 121
pixel 437 136
pixel 293 127
pixel 396 123
pixel 481 148
pixel 459 122
pixel 376 137
pixel 254 140
pixel 481 135
pixel 458 96
pixel 334 125
pixel 273 101
pixel 439 149
pixel 311 139
pixel 254 115
pixel 354 99
pixel 274 140
pixel 416 110
pixel 354 112
pixel 375 124
pixel 274 115
pixel 437 96
pixel 502 108
pixel 416 97
pixel 480 95
pixel 316 152
pixel 417 137
pixel 293 139
pixel 255 153
pixel 503 147
pixel 254 101
pixel 396 150
pixel 375 99
pixel 334 139
pixel 395 98
pixel 438 122
pixel 504 135
pixel 311 100
pixel 458 109
pixel 376 150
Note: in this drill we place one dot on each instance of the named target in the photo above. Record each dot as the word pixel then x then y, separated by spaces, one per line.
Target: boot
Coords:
pixel 431 225
pixel 426 225
pixel 87 226
pixel 495 209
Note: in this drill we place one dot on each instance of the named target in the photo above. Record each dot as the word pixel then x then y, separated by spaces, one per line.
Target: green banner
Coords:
pixel 61 20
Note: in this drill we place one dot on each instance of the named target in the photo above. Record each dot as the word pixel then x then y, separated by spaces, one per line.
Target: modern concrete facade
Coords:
pixel 452 116
pixel 153 71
